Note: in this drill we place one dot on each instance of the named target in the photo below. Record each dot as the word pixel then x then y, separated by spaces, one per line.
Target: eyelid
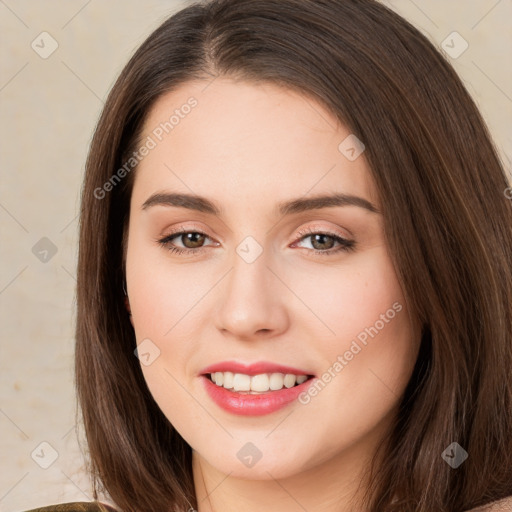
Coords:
pixel 186 228
pixel 316 228
pixel 311 229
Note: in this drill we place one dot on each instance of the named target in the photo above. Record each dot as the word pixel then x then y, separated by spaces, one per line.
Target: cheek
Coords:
pixel 163 296
pixel 368 351
pixel 164 300
pixel 349 301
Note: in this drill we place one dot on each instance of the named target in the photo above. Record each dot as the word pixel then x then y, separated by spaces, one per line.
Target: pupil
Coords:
pixel 189 237
pixel 321 241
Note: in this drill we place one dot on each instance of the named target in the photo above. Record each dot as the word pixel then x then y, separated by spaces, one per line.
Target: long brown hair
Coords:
pixel 448 225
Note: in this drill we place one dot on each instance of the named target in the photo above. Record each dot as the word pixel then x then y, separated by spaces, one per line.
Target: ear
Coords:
pixel 127 306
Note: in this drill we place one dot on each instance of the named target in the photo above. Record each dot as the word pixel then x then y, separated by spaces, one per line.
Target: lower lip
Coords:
pixel 253 405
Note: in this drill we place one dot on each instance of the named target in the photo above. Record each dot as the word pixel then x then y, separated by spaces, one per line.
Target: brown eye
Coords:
pixel 192 240
pixel 322 241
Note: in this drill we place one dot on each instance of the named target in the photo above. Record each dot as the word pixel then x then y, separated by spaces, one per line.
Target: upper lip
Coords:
pixel 252 368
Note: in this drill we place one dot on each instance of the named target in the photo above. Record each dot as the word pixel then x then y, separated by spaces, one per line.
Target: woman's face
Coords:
pixel 269 277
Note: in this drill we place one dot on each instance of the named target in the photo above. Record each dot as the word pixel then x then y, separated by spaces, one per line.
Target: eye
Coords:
pixel 322 242
pixel 191 240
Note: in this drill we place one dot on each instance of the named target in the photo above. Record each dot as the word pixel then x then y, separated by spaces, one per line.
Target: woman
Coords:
pixel 294 280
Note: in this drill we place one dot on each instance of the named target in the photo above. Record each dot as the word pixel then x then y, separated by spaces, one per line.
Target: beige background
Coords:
pixel 48 111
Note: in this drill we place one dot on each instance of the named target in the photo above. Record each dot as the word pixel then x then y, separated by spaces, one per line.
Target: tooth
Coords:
pixel 257 383
pixel 241 382
pixel 289 380
pixel 276 381
pixel 260 382
pixel 228 380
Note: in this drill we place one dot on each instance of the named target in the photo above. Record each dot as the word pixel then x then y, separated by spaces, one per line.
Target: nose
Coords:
pixel 252 300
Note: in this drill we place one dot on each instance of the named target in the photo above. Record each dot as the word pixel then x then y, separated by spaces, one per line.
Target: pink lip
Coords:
pixel 246 404
pixel 252 369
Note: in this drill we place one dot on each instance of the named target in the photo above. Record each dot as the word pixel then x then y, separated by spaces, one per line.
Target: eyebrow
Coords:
pixel 301 204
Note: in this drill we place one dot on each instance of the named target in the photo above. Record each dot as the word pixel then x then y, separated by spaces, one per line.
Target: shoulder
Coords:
pixel 78 506
pixel 504 505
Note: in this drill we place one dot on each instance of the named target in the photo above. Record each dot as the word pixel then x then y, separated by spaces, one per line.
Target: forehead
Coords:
pixel 241 140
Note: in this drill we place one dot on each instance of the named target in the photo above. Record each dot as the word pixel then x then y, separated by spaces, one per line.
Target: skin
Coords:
pixel 248 146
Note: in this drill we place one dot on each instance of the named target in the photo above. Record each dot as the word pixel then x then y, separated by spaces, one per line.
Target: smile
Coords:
pixel 254 389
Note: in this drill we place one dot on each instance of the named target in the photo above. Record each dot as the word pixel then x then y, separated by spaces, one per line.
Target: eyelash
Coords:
pixel 345 245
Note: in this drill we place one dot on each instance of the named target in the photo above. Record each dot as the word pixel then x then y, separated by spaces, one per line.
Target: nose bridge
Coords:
pixel 249 276
pixel 250 299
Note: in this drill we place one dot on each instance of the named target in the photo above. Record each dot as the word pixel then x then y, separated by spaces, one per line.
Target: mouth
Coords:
pixel 253 392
